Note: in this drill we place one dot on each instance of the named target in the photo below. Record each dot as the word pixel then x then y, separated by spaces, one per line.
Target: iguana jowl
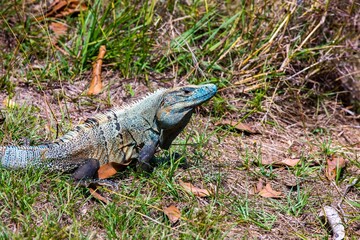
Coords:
pixel 119 136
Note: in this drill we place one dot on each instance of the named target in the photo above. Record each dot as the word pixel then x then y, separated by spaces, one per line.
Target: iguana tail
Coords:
pixel 21 156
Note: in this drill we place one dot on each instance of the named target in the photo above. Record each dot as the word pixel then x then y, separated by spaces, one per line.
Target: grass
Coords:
pixel 13 126
pixel 276 64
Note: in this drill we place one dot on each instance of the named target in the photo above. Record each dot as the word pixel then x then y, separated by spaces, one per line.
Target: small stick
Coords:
pixel 335 222
pixel 96 84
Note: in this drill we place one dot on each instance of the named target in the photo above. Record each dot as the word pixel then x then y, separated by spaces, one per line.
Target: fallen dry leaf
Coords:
pixel 257 188
pixel 290 162
pixel 173 213
pixel 259 185
pixel 96 84
pixel 194 190
pixel 106 171
pixel 98 196
pixel 334 164
pixel 268 192
pixel 62 8
pixel 284 162
pixel 59 29
pixel 110 169
pixel 244 127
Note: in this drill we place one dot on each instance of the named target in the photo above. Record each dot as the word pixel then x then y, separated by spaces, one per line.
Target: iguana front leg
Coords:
pixel 146 154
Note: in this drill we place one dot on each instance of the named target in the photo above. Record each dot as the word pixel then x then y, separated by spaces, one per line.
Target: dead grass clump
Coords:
pixel 326 60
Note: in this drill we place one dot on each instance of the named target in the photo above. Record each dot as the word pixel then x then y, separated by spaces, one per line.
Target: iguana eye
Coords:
pixel 187 90
pixel 162 103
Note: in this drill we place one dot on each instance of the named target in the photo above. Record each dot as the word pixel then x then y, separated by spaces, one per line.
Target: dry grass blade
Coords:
pixel 8 103
pixel 173 213
pixel 199 192
pixel 96 84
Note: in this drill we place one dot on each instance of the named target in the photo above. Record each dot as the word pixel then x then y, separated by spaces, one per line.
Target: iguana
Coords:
pixel 118 136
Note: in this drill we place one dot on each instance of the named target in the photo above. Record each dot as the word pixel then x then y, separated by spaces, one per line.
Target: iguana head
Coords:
pixel 176 108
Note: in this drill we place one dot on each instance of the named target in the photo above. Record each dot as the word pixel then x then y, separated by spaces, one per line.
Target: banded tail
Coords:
pixel 21 156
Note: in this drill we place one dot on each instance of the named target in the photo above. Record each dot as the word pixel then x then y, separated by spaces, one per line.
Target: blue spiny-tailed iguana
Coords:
pixel 119 136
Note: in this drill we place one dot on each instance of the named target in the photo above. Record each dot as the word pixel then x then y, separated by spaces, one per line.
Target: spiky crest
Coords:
pixel 110 115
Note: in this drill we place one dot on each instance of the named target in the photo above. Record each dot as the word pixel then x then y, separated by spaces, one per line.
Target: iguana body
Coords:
pixel 119 136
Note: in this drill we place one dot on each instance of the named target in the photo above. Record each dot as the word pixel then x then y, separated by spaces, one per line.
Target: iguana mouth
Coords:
pixel 205 97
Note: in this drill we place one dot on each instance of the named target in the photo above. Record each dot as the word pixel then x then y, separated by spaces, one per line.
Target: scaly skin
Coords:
pixel 120 135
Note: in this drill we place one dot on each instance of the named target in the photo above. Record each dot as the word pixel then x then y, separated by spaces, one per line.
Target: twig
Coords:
pixel 96 84
pixel 335 222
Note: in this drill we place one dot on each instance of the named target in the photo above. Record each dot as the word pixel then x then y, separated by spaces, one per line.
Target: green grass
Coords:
pixel 36 204
pixel 20 123
pixel 275 63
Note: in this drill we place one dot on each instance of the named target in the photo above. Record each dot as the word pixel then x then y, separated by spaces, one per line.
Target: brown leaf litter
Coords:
pixel 281 162
pixel 173 213
pixel 243 127
pixel 268 192
pixel 199 192
pixel 63 8
pixel 334 166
